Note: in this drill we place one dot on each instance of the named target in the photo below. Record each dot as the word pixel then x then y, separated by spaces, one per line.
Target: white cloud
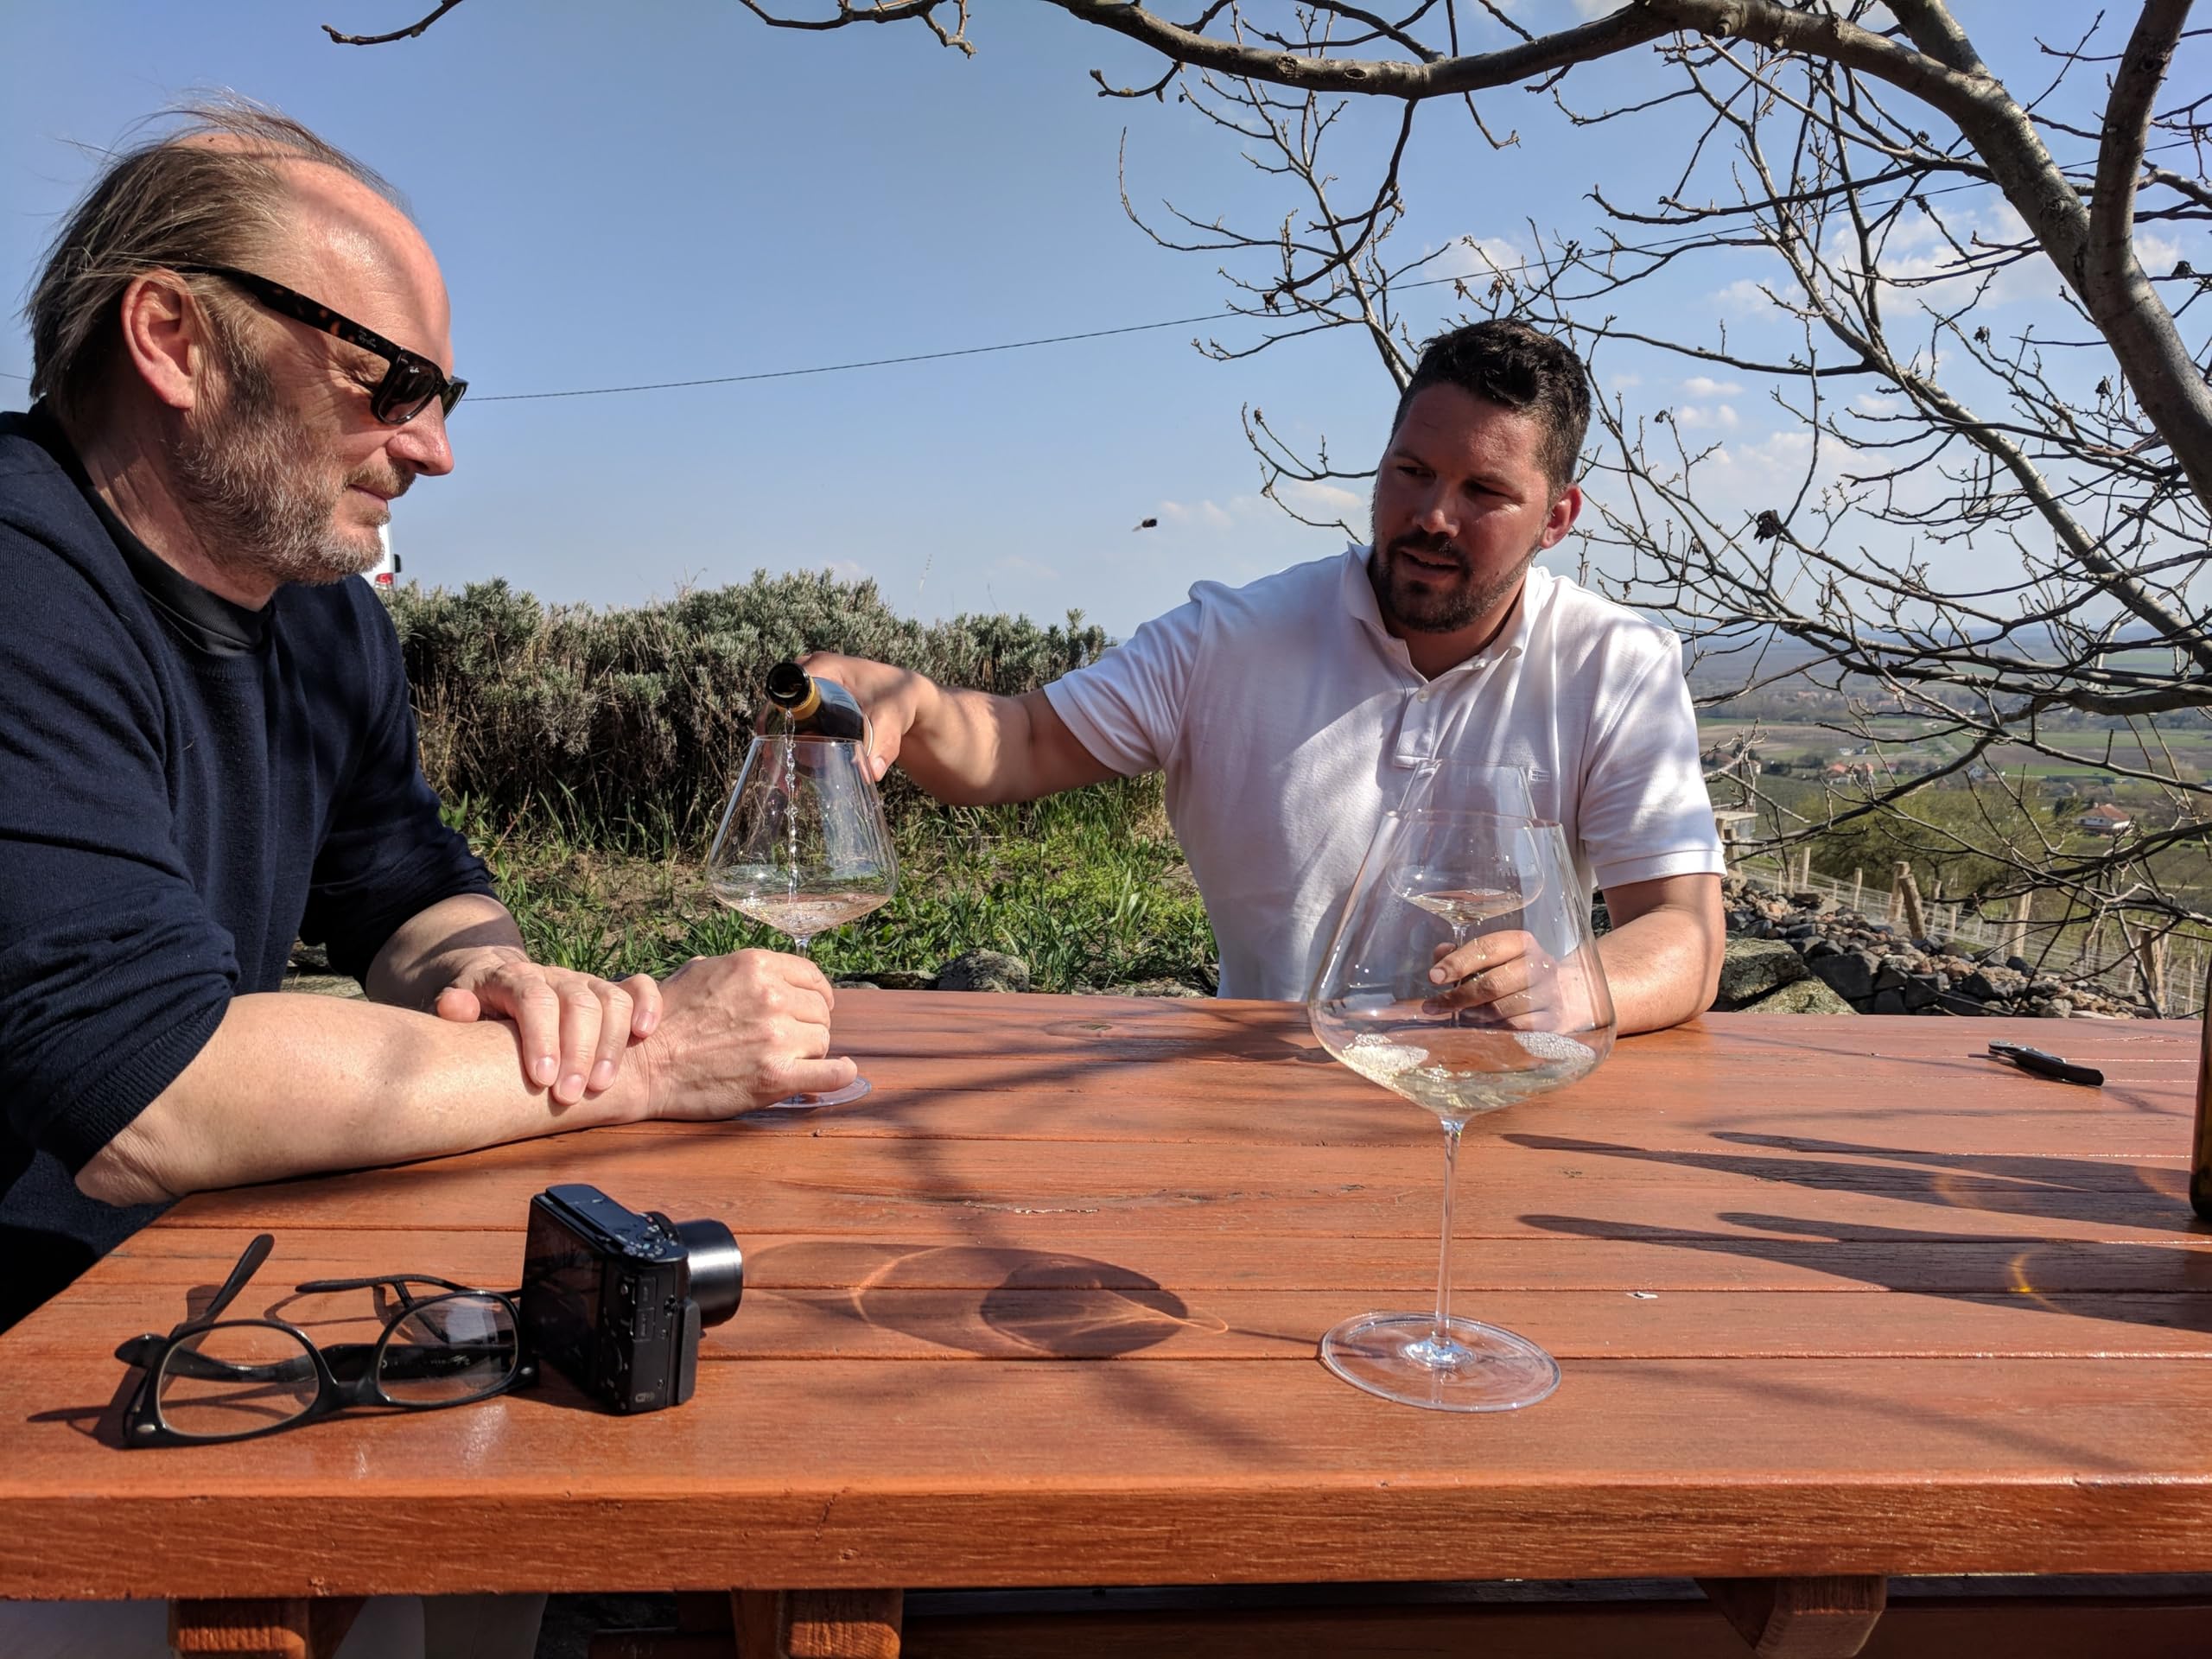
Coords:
pixel 1207 515
pixel 1699 385
pixel 850 570
pixel 1322 501
pixel 1745 293
pixel 1623 382
pixel 2156 253
pixel 1721 417
pixel 1015 564
pixel 1478 258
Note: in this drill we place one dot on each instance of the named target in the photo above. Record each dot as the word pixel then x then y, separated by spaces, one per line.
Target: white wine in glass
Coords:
pixel 803 848
pixel 1463 978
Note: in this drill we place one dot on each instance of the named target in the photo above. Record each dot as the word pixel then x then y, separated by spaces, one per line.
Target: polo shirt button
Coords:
pixel 1421 696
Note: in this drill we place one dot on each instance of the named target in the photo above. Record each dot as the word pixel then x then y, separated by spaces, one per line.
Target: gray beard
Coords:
pixel 248 476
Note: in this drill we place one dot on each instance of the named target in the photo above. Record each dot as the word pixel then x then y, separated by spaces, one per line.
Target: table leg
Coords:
pixel 817 1623
pixel 1825 1618
pixel 297 1627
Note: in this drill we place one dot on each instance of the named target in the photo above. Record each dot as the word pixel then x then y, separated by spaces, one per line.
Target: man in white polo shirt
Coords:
pixel 1290 715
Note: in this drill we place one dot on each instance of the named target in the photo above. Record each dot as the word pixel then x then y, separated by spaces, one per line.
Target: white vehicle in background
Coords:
pixel 386 573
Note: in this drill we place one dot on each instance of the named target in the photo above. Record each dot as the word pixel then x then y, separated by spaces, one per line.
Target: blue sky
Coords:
pixel 668 190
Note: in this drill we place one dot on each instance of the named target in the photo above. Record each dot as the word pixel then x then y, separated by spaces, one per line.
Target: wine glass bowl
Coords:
pixel 1463 978
pixel 803 848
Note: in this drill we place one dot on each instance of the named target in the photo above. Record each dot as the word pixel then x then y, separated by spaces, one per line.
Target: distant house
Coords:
pixel 2106 820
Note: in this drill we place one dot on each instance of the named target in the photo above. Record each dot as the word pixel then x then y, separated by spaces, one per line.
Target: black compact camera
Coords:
pixel 615 1301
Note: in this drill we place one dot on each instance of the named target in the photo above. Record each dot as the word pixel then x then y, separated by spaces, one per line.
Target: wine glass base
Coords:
pixel 1481 1367
pixel 850 1092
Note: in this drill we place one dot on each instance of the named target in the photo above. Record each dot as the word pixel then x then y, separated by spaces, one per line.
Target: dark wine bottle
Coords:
pixel 2200 1158
pixel 806 705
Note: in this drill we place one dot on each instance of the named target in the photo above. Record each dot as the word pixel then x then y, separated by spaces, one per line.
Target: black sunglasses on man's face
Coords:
pixel 408 384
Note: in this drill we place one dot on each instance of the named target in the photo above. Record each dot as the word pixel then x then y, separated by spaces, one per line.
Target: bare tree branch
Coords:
pixel 408 34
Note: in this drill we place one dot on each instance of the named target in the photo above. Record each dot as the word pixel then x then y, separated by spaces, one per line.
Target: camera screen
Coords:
pixel 560 1285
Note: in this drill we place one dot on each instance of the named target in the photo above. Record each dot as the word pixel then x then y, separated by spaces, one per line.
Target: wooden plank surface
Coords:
pixel 1831 1296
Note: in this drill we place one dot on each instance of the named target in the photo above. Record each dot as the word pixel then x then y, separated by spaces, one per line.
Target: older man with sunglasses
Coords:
pixel 241 351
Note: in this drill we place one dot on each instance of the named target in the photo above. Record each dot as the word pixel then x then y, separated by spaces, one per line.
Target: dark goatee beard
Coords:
pixel 258 489
pixel 1436 612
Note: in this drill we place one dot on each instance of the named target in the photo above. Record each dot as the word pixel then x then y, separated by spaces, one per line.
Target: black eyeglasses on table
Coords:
pixel 216 1379
pixel 408 384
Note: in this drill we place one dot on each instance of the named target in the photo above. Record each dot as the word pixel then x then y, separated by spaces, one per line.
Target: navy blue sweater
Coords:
pixel 185 787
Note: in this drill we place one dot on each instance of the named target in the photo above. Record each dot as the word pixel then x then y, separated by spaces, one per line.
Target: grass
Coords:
pixel 1089 888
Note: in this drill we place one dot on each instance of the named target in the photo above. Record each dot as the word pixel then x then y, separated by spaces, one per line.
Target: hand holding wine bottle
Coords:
pixel 886 701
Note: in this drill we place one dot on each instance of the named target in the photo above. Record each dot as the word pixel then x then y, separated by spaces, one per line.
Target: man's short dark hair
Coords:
pixel 1504 361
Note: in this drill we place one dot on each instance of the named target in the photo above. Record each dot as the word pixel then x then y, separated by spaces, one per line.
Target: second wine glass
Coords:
pixel 803 848
pixel 1462 978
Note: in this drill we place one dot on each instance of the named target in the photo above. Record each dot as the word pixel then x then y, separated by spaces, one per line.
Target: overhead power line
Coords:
pixel 840 368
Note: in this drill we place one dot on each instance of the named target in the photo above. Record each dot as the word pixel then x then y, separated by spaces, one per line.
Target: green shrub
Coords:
pixel 611 723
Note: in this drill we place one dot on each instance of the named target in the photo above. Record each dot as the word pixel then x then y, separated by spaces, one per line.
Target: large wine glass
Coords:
pixel 803 847
pixel 1463 978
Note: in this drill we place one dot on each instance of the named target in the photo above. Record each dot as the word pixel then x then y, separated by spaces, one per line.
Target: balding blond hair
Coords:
pixel 211 189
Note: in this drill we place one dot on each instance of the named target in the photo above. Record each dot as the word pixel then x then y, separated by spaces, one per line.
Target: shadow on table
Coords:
pixel 2096 1191
pixel 997 1302
pixel 2099 1190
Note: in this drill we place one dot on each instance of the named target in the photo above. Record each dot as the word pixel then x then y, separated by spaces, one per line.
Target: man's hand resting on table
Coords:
pixel 743 1027
pixel 1512 977
pixel 573 1027
pixel 739 1032
pixel 389 1086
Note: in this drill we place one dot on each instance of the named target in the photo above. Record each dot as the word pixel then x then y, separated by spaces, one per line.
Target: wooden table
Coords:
pixel 1836 1298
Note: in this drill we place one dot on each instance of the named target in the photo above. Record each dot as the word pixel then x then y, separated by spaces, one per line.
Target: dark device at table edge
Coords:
pixel 615 1301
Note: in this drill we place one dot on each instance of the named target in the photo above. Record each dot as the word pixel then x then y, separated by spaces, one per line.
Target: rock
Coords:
pixel 1887 1001
pixel 2020 965
pixel 1990 984
pixel 1148 988
pixel 1805 996
pixel 983 970
pixel 1891 972
pixel 1850 975
pixel 324 984
pixel 1816 949
pixel 1955 1001
pixel 1751 968
pixel 893 980
pixel 1920 992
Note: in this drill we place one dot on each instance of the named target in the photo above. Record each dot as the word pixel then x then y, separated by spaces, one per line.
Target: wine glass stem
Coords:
pixel 1442 1336
pixel 800 944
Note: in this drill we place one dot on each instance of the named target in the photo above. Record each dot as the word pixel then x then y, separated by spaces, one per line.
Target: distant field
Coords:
pixel 2185 753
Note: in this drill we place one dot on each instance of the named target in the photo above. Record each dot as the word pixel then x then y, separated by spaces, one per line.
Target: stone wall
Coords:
pixel 1780 945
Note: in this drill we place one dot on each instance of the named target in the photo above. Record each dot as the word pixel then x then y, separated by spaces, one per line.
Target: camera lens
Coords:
pixel 717 1268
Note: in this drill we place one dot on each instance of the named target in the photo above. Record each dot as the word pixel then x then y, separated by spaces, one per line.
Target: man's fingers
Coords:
pixel 803 975
pixel 583 1013
pixel 645 1003
pixel 520 991
pixel 1484 987
pixel 459 1004
pixel 809 1076
pixel 616 1017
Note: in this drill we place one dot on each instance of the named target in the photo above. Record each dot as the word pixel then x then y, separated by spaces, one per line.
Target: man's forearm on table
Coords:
pixel 418 960
pixel 291 1085
pixel 1661 967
